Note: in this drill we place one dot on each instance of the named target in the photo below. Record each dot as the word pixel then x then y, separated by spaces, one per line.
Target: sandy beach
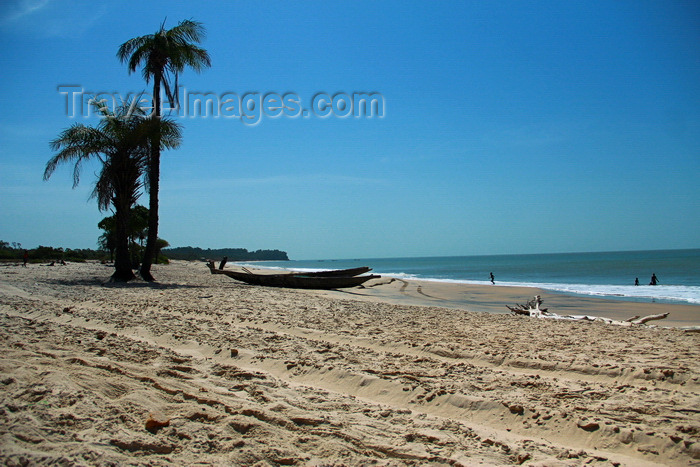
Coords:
pixel 199 369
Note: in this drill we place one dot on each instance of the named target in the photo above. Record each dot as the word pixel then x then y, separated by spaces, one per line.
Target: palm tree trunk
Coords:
pixel 122 262
pixel 154 182
pixel 150 250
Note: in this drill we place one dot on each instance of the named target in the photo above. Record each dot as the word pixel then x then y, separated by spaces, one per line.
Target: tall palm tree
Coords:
pixel 122 143
pixel 163 54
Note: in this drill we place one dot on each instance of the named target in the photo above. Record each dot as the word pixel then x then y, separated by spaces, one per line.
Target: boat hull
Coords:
pixel 296 280
pixel 336 272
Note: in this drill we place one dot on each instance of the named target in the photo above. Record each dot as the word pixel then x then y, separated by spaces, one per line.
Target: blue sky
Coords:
pixel 508 127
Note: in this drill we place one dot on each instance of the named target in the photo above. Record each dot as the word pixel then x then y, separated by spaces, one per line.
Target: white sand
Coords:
pixel 247 375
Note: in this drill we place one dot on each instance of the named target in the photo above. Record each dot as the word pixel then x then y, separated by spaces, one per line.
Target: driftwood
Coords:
pixel 532 308
pixel 649 318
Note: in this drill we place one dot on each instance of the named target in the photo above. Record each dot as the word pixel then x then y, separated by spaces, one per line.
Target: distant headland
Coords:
pixel 233 254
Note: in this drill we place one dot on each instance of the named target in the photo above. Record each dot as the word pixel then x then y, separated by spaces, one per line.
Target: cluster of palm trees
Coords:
pixel 128 142
pixel 138 231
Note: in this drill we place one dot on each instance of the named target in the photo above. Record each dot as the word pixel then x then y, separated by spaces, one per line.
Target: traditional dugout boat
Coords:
pixel 334 279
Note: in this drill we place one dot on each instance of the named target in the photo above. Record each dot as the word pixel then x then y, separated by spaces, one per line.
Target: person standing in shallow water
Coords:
pixel 636 281
pixel 654 280
pixel 492 278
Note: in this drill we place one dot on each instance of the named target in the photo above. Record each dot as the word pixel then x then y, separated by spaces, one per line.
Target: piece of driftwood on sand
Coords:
pixel 296 280
pixel 532 308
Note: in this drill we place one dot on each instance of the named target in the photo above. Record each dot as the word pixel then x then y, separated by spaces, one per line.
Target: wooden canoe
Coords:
pixel 335 272
pixel 296 280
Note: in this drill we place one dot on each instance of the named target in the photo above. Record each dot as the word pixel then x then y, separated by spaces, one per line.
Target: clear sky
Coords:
pixel 507 127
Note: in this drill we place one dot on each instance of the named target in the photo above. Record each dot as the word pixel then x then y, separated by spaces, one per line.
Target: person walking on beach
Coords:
pixel 493 282
pixel 26 258
pixel 654 280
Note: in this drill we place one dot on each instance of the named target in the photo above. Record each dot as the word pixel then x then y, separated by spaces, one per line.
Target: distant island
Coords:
pixel 233 254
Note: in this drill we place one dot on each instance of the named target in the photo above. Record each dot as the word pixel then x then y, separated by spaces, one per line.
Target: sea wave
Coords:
pixel 671 293
pixel 662 293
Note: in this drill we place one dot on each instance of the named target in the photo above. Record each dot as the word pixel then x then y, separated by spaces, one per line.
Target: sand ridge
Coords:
pixel 245 375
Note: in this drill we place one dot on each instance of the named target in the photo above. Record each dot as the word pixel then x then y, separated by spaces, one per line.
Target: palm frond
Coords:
pixel 170 134
pixel 75 144
pixel 188 55
pixel 188 30
pixel 120 141
pixel 135 51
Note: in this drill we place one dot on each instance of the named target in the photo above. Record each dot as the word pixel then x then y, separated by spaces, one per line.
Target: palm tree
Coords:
pixel 160 244
pixel 162 54
pixel 138 225
pixel 121 142
pixel 108 240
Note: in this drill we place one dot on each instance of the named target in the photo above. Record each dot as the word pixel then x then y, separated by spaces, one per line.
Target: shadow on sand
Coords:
pixel 135 284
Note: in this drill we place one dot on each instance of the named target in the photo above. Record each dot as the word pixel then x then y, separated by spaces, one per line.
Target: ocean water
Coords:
pixel 605 274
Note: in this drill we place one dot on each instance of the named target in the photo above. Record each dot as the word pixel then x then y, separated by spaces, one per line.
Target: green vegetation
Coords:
pixel 136 233
pixel 14 252
pixel 138 223
pixel 233 254
pixel 167 52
